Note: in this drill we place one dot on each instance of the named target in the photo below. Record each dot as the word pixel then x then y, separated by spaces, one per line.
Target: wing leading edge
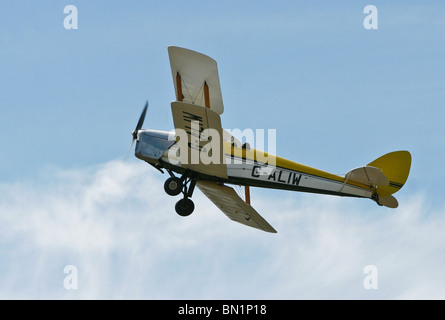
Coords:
pixel 226 199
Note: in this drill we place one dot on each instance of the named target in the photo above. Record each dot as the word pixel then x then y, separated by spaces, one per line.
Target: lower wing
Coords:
pixel 226 199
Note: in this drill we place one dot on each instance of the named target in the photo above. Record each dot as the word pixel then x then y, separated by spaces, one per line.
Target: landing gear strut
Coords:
pixel 173 186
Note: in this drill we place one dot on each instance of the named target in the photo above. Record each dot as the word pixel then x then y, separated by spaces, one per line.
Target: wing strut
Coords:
pixel 247 191
pixel 179 85
pixel 206 95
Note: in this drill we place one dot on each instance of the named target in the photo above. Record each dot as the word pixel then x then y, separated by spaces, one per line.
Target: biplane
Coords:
pixel 198 131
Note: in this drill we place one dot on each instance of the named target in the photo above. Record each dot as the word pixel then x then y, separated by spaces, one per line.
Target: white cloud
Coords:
pixel 117 226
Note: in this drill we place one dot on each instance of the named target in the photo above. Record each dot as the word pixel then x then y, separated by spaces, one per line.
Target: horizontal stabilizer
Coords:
pixel 226 199
pixel 369 176
pixel 388 201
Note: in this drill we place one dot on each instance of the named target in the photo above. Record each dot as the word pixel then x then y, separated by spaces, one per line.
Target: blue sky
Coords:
pixel 338 95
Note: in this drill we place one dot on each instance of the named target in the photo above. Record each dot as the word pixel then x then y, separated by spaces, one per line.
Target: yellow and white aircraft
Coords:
pixel 205 155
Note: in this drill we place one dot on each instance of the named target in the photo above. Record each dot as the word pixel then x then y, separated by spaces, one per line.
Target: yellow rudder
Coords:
pixel 395 166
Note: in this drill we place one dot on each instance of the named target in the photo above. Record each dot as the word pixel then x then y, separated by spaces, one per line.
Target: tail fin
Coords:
pixel 395 166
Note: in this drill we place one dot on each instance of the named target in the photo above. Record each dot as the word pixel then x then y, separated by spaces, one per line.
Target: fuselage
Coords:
pixel 244 167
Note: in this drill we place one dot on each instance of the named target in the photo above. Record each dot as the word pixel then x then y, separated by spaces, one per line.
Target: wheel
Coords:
pixel 173 186
pixel 184 207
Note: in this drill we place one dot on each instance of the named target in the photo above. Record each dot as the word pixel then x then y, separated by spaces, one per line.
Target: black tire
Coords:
pixel 184 207
pixel 173 186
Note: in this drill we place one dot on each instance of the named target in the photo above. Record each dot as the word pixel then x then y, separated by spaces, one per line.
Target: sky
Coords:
pixel 337 94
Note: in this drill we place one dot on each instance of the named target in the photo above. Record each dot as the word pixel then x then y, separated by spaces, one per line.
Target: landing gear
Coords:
pixel 184 207
pixel 173 186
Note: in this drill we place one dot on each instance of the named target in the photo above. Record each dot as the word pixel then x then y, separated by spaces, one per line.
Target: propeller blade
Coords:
pixel 138 126
pixel 131 146
pixel 140 122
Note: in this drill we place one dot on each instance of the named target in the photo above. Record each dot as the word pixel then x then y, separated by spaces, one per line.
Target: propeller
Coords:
pixel 139 125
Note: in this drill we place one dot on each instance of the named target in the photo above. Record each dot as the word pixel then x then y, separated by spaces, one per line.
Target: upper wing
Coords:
pixel 226 199
pixel 194 70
